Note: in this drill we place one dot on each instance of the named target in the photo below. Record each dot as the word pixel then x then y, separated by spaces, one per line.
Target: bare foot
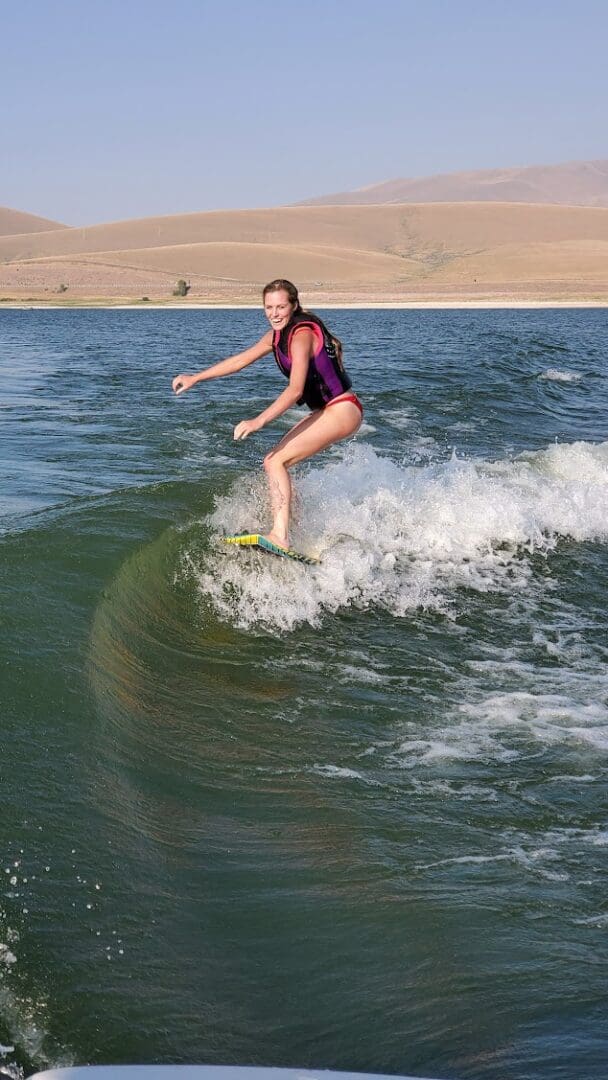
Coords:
pixel 280 541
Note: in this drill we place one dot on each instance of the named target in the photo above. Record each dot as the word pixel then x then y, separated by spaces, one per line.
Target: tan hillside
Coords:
pixel 13 222
pixel 335 253
pixel 575 183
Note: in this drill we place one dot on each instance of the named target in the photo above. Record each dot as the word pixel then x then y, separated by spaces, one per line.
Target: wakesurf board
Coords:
pixel 259 541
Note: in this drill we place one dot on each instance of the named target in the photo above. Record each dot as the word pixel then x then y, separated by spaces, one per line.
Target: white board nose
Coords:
pixel 204 1072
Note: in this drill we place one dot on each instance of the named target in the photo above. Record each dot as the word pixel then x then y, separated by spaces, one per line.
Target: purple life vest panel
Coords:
pixel 326 378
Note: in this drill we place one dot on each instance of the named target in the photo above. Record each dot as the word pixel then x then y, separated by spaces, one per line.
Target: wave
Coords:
pixel 177 681
pixel 402 538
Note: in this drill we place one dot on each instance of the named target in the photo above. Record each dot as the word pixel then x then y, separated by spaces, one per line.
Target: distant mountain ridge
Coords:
pixel 574 183
pixel 17 223
pixel 535 232
pixel 334 253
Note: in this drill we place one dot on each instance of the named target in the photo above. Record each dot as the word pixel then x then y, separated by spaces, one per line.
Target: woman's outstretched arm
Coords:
pixel 225 367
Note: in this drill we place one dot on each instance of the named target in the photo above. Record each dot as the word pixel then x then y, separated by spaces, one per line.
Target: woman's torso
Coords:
pixel 326 378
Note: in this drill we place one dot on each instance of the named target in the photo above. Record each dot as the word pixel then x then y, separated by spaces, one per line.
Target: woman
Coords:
pixel 311 358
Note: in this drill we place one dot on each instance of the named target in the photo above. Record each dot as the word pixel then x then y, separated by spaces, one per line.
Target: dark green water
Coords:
pixel 348 816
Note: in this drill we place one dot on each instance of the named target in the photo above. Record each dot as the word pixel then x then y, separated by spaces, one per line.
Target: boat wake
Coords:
pixel 404 538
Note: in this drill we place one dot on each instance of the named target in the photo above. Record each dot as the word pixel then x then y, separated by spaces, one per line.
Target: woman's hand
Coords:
pixel 183 382
pixel 247 427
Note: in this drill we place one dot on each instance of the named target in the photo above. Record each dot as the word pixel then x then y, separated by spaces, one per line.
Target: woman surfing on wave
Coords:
pixel 311 358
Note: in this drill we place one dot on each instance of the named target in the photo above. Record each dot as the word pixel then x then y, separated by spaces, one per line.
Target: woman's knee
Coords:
pixel 272 462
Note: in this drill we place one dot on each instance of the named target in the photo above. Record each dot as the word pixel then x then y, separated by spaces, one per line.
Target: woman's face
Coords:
pixel 278 308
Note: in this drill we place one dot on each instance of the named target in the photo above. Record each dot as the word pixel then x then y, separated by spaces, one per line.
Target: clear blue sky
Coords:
pixel 128 109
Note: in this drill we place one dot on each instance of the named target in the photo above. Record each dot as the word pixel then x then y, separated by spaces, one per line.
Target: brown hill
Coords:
pixel 13 222
pixel 576 183
pixel 339 253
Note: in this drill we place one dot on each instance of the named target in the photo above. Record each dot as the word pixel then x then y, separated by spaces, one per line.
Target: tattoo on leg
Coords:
pixel 277 498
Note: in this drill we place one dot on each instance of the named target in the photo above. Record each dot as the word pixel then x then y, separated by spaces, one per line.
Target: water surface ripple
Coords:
pixel 347 816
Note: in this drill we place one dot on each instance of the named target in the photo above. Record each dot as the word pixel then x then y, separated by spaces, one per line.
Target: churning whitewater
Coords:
pixel 402 538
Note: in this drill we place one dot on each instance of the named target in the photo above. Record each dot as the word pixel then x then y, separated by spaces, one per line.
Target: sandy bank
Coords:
pixel 415 305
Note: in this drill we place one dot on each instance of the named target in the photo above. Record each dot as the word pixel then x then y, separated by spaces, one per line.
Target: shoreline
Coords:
pixel 394 305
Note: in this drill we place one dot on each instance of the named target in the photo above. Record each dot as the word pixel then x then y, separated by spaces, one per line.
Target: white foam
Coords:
pixel 401 538
pixel 347 673
pixel 534 860
pixel 599 920
pixel 550 718
pixel 502 726
pixel 594 835
pixel 7 957
pixel 463 425
pixel 532 857
pixel 337 771
pixel 531 861
pixel 585 778
pixel 457 741
pixel 554 375
pixel 464 792
pixel 463 860
pixel 404 418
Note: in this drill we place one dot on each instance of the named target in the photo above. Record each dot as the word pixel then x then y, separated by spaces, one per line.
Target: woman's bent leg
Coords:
pixel 315 433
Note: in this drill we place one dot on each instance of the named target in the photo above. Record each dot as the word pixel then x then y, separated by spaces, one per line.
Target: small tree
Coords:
pixel 62 288
pixel 182 288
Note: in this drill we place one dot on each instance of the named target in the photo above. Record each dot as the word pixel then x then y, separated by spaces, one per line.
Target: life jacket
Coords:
pixel 326 378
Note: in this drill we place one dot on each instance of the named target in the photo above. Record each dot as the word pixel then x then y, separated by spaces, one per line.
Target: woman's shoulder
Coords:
pixel 302 329
pixel 307 334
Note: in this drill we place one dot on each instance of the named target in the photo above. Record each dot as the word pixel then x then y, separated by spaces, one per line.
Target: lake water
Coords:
pixel 351 815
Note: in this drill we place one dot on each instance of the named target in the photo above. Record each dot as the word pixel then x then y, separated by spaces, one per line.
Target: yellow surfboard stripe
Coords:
pixel 257 540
